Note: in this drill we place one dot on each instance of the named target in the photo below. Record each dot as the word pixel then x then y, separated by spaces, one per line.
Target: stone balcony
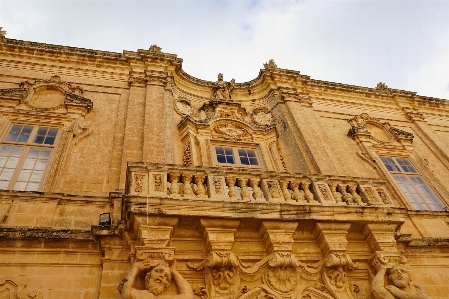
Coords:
pixel 226 184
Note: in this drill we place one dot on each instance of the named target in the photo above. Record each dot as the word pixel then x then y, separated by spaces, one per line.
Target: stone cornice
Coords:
pixel 154 54
pixel 45 232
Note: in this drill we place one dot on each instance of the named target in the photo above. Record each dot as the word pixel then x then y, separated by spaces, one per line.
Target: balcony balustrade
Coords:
pixel 250 185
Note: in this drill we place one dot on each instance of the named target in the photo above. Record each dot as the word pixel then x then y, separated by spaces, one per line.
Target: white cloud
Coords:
pixel 402 43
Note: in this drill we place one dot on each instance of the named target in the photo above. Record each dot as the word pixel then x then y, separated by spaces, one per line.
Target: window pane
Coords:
pixel 410 192
pixel 405 165
pixel 52 132
pixel 224 155
pixel 244 161
pixel 19 133
pixel 390 164
pixel 46 135
pixel 253 161
pixel 32 170
pixel 248 157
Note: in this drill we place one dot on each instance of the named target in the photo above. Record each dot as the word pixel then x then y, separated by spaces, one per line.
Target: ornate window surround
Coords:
pixel 67 112
pixel 399 145
pixel 227 124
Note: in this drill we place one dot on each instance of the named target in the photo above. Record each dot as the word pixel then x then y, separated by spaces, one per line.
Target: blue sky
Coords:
pixel 402 43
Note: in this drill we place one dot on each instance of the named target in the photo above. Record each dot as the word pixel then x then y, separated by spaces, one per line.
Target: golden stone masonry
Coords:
pixel 123 177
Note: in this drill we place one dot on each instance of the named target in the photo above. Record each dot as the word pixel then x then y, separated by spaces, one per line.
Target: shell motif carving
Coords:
pixel 283 280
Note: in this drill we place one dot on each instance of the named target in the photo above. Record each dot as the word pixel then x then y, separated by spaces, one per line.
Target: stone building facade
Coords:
pixel 122 176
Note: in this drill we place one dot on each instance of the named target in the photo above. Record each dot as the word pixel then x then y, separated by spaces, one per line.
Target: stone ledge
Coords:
pixel 47 233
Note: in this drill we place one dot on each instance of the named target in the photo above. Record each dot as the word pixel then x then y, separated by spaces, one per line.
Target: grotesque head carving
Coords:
pixel 399 277
pixel 158 279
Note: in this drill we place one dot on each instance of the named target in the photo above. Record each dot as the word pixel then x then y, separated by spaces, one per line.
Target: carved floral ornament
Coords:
pixel 365 126
pixel 49 95
pixel 280 274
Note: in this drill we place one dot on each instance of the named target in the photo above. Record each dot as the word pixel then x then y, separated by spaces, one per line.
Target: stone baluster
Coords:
pixel 242 183
pixel 352 188
pixel 337 195
pixel 305 186
pixel 230 181
pixel 174 188
pixel 297 194
pixel 257 194
pixel 187 188
pixel 285 191
pixel 200 190
pixel 346 196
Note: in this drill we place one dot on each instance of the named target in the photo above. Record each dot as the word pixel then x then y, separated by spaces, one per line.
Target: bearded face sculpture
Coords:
pixel 399 277
pixel 158 279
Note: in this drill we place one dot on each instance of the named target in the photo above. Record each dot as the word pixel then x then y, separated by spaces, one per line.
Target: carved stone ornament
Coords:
pixel 399 286
pixel 48 95
pixel 155 49
pixel 222 274
pixel 184 108
pixel 413 113
pixel 2 32
pixel 382 86
pixel 380 132
pixel 222 90
pixel 158 278
pixel 334 275
pixel 12 288
pixel 262 117
pixel 270 64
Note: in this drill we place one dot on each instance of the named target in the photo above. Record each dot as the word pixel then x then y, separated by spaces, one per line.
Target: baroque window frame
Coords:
pixel 68 115
pixel 227 124
pixel 395 143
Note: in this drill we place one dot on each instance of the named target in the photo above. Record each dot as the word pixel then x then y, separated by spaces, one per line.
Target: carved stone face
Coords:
pixel 158 279
pixel 399 276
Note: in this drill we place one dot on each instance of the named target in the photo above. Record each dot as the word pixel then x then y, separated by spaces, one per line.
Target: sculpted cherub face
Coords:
pixel 399 276
pixel 158 279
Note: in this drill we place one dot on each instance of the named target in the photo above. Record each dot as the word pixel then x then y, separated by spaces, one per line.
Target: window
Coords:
pixel 24 155
pixel 237 156
pixel 412 184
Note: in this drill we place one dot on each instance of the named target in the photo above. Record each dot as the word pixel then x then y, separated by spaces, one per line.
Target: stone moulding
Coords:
pixel 267 72
pixel 47 233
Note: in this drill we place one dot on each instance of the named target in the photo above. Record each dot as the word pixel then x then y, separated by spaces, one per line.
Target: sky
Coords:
pixel 404 44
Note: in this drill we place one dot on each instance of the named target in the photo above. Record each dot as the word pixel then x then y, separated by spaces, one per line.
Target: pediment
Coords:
pixel 379 133
pixel 215 111
pixel 45 95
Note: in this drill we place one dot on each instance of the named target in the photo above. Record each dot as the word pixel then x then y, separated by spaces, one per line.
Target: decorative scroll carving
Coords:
pixel 11 288
pixel 222 273
pixel 184 107
pixel 334 274
pixel 359 128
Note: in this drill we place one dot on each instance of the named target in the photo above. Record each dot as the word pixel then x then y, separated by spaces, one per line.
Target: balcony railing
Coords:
pixel 249 185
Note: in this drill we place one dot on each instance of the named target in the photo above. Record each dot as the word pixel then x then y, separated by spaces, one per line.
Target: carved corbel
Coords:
pixel 153 238
pixel 331 238
pixel 221 266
